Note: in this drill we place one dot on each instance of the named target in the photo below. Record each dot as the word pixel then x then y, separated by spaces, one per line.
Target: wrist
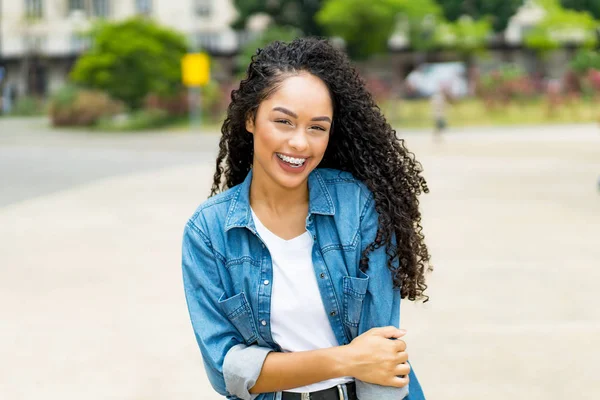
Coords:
pixel 342 361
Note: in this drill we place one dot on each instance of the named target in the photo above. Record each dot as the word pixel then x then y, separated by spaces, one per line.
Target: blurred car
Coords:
pixel 427 79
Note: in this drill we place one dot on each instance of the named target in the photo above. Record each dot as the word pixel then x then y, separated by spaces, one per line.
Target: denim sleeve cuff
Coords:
pixel 371 391
pixel 241 369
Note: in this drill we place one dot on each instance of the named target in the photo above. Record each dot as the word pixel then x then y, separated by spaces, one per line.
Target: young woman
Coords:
pixel 294 272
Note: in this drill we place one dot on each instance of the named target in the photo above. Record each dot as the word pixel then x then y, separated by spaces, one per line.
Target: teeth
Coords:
pixel 291 160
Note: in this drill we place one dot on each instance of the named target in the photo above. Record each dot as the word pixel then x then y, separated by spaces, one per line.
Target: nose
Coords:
pixel 298 141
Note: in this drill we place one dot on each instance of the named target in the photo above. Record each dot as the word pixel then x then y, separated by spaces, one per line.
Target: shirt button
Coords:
pixel 314 237
pixel 266 282
pixel 263 322
pixel 333 313
pixel 322 275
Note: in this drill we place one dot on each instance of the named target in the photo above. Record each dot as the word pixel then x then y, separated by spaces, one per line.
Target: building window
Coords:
pixel 143 6
pixel 100 8
pixel 208 41
pixel 202 8
pixel 79 43
pixel 76 5
pixel 34 44
pixel 34 9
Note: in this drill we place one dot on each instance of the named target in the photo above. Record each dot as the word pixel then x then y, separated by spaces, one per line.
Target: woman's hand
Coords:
pixel 372 357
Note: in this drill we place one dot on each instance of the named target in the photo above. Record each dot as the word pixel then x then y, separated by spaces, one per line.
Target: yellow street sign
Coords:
pixel 195 69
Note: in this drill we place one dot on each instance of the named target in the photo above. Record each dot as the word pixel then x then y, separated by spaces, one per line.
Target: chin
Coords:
pixel 292 182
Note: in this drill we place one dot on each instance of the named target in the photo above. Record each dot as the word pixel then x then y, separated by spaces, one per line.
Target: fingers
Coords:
pixel 400 382
pixel 399 345
pixel 402 357
pixel 402 369
pixel 389 332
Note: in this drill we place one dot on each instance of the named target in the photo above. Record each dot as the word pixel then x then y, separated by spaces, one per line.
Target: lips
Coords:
pixel 294 161
pixel 289 167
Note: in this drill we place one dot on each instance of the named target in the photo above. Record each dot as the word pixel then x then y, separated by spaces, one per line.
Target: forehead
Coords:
pixel 303 93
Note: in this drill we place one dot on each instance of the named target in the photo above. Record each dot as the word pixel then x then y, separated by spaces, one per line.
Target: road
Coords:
pixel 90 281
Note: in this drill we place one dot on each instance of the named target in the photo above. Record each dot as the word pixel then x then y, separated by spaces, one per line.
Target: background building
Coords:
pixel 41 39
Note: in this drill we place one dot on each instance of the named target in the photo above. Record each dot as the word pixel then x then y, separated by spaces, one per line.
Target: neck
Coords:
pixel 269 196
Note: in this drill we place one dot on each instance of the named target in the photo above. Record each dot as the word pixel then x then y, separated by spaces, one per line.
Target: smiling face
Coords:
pixel 291 131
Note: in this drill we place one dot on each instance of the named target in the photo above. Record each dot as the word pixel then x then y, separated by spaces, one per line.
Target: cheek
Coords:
pixel 266 141
pixel 320 145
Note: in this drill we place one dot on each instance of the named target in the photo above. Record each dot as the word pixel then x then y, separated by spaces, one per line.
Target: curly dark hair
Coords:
pixel 361 142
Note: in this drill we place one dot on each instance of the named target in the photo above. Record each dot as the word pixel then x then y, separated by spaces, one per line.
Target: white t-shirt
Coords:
pixel 299 321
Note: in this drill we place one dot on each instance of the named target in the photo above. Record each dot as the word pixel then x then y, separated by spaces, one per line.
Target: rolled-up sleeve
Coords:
pixel 231 366
pixel 381 306
pixel 242 367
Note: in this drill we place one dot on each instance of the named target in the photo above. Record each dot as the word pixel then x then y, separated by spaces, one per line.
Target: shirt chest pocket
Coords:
pixel 355 290
pixel 238 311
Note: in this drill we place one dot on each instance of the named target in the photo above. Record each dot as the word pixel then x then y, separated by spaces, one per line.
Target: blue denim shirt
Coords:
pixel 227 270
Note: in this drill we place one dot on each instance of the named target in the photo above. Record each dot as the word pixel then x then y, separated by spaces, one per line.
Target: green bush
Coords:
pixel 585 60
pixel 28 106
pixel 212 101
pixel 506 83
pixel 132 59
pixel 71 106
pixel 138 120
pixel 175 106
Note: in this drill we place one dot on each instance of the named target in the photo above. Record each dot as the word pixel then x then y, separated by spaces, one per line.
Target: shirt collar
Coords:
pixel 239 213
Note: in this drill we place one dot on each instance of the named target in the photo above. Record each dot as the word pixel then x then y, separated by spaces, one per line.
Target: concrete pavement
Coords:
pixel 90 282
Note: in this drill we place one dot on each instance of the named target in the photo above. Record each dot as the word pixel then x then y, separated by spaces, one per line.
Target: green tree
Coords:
pixel 499 11
pixel 367 26
pixel 591 6
pixel 561 26
pixel 464 35
pixel 131 59
pixel 296 13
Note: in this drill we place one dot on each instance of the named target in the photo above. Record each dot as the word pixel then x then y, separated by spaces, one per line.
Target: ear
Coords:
pixel 250 124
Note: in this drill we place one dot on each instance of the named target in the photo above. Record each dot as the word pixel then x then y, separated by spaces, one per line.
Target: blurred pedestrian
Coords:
pixel 294 268
pixel 438 110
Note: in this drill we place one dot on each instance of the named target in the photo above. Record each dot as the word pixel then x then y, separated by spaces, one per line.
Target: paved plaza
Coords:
pixel 91 297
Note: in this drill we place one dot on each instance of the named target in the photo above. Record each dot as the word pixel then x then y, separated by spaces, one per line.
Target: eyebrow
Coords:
pixel 294 115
